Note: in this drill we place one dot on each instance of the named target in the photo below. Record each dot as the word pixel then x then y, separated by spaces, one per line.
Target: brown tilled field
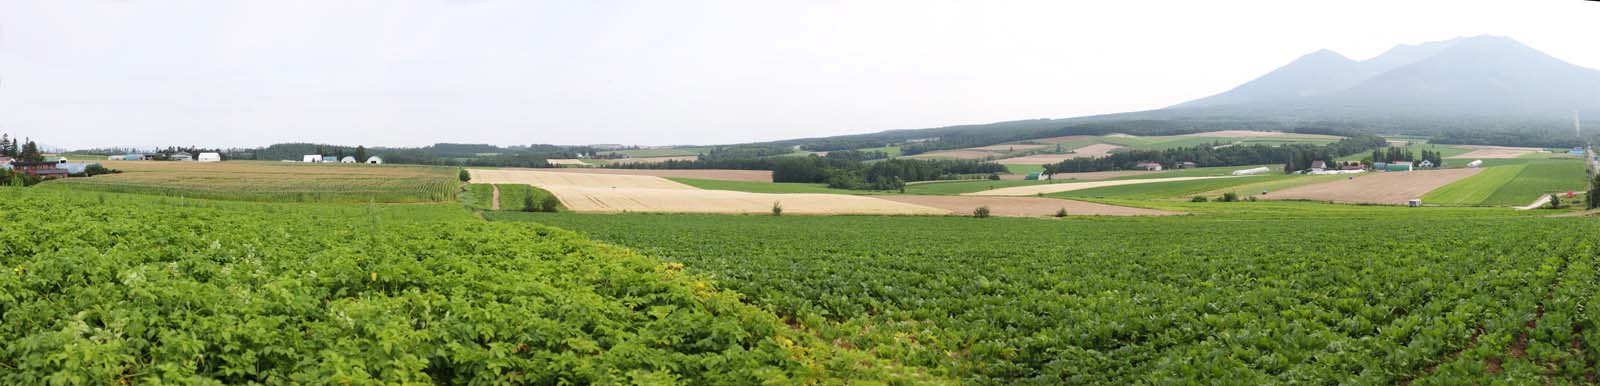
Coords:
pixel 1494 152
pixel 1376 188
pixel 1008 147
pixel 704 174
pixel 1092 151
pixel 1024 206
pixel 602 193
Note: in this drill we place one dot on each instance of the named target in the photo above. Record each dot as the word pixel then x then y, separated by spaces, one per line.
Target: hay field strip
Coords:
pixel 1031 190
pixel 601 193
pixel 1393 188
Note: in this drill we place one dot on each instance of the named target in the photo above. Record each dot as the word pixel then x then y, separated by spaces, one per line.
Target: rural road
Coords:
pixel 1545 199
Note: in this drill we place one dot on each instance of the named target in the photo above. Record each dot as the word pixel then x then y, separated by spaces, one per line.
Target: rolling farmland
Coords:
pixel 273 181
pixel 1119 302
pixel 1392 188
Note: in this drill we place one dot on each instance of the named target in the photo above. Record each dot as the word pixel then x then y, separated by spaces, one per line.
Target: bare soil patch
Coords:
pixel 1030 190
pixel 609 193
pixel 1494 152
pixel 1024 206
pixel 1393 188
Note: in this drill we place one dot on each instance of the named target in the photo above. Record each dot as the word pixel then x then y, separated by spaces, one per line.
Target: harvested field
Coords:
pixel 1092 151
pixel 607 193
pixel 1494 152
pixel 1377 188
pixel 1007 147
pixel 956 154
pixel 650 160
pixel 1069 138
pixel 1024 206
pixel 273 181
pixel 1398 143
pixel 1071 186
pixel 704 174
pixel 566 162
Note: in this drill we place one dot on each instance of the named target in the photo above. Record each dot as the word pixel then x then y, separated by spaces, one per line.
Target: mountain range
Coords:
pixel 1473 76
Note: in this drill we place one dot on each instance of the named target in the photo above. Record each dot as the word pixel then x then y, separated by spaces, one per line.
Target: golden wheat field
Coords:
pixel 274 181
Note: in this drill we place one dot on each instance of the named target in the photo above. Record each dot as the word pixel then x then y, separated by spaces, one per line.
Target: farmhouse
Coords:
pixel 39 169
pixel 347 160
pixel 374 160
pixel 311 158
pixel 1318 166
pixel 210 157
pixel 1147 166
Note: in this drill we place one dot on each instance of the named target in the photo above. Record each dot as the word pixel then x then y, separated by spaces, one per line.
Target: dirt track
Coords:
pixel 1030 190
pixel 1376 188
pixel 608 193
pixel 1024 206
pixel 1494 152
pixel 705 174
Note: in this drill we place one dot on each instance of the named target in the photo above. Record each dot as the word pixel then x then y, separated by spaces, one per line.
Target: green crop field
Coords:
pixel 669 152
pixel 1476 189
pixel 107 288
pixel 1540 177
pixel 944 188
pixel 1367 295
pixel 1024 169
pixel 1177 189
pixel 273 181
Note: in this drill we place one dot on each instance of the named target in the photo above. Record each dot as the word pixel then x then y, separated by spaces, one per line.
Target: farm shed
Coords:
pixel 374 160
pixel 1147 166
pixel 1037 176
pixel 1425 164
pixel 73 167
pixel 1246 172
pixel 1398 167
pixel 330 159
pixel 1475 163
pixel 311 158
pixel 116 158
pixel 181 157
pixel 1186 165
pixel 347 160
pixel 1318 165
pixel 210 157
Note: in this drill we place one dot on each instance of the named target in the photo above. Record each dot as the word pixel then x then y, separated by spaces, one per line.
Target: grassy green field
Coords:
pixel 273 181
pixel 1476 189
pixel 512 196
pixel 1176 189
pixel 1540 177
pixel 942 188
pixel 1230 299
pixel 1024 169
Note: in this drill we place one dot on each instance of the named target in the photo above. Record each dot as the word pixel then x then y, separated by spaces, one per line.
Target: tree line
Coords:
pixel 1206 155
pixel 23 151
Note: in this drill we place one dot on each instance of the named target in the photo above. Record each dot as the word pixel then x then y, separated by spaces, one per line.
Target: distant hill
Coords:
pixel 1470 88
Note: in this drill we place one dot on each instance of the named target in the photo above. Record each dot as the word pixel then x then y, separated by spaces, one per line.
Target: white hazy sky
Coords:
pixel 80 73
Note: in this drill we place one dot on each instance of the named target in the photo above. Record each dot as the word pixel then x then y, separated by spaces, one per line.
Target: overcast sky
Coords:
pixel 78 73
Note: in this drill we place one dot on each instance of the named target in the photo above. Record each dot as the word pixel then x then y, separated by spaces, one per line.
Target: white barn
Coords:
pixel 347 160
pixel 210 157
pixel 311 158
pixel 374 160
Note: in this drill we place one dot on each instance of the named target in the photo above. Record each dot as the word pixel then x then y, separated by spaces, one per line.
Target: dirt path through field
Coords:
pixel 608 193
pixel 1024 206
pixel 496 204
pixel 1393 188
pixel 1030 190
pixel 1541 202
